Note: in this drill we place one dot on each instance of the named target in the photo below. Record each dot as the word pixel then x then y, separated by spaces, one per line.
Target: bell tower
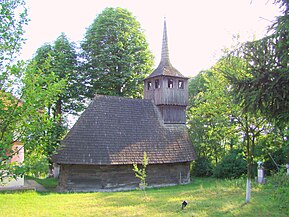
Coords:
pixel 167 88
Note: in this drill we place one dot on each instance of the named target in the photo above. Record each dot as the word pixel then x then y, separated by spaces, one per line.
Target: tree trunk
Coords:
pixel 248 190
pixel 249 172
pixel 249 164
pixel 58 110
pixel 231 144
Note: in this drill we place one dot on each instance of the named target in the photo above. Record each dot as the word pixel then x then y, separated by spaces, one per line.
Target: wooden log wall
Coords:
pixel 119 177
pixel 173 114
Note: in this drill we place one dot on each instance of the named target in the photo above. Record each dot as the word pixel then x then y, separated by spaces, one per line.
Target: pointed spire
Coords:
pixel 165 67
pixel 165 48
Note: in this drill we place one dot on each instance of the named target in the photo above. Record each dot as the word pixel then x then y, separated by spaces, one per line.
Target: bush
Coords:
pixel 36 165
pixel 279 157
pixel 231 166
pixel 202 167
pixel 279 183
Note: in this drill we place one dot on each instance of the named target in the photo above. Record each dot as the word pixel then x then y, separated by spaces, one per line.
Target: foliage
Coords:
pixel 205 196
pixel 272 158
pixel 262 87
pixel 217 123
pixel 116 54
pixel 60 58
pixel 197 85
pixel 279 183
pixel 141 173
pixel 265 88
pixel 232 166
pixel 202 167
pixel 36 163
pixel 211 128
pixel 24 94
pixel 280 179
pixel 13 16
pixel 24 118
pixel 63 62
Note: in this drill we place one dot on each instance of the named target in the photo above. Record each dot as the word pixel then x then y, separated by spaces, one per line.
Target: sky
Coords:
pixel 197 30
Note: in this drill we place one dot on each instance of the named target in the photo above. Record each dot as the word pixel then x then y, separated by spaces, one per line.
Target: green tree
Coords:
pixel 210 115
pixel 250 125
pixel 24 119
pixel 217 124
pixel 63 63
pixel 60 58
pixel 116 54
pixel 23 100
pixel 13 15
pixel 265 88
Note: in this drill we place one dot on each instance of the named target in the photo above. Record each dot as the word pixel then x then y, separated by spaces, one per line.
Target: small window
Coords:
pixel 157 84
pixel 181 84
pixel 170 83
pixel 149 85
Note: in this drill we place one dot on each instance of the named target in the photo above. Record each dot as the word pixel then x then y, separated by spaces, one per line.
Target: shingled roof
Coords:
pixel 117 130
pixel 165 67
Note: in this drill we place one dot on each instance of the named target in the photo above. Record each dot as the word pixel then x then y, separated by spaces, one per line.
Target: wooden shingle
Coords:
pixel 117 130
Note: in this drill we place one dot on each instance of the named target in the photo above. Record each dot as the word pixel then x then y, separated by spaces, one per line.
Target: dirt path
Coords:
pixel 28 185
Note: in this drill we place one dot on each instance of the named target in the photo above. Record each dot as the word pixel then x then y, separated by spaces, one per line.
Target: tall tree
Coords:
pixel 251 125
pixel 266 88
pixel 217 123
pixel 63 63
pixel 210 115
pixel 117 57
pixel 23 117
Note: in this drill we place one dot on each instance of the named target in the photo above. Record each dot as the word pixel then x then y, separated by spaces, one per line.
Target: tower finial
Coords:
pixel 165 49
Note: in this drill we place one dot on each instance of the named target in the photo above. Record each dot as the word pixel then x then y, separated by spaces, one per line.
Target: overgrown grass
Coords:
pixel 206 197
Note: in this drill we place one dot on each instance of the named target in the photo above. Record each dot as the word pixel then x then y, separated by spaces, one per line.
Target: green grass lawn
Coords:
pixel 206 197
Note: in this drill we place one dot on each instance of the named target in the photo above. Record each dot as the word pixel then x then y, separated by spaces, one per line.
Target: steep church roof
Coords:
pixel 165 67
pixel 117 130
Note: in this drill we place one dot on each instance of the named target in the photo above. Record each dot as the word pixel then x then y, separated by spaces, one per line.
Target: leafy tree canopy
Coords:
pixel 13 16
pixel 63 63
pixel 116 54
pixel 265 88
pixel 24 94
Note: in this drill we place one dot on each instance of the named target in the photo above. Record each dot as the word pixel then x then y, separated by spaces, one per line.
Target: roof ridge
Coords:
pixel 97 96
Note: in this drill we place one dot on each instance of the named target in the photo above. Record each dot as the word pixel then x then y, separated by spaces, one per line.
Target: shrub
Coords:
pixel 279 157
pixel 36 165
pixel 279 183
pixel 231 166
pixel 202 167
pixel 140 173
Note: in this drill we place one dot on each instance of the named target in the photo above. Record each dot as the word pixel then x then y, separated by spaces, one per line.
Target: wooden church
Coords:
pixel 114 132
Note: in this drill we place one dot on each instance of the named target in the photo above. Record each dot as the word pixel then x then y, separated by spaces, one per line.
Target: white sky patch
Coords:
pixel 197 30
